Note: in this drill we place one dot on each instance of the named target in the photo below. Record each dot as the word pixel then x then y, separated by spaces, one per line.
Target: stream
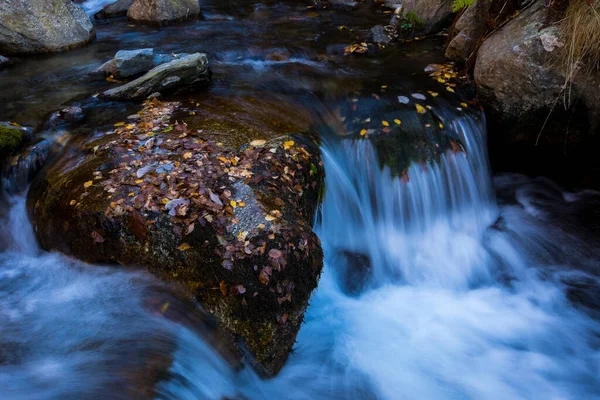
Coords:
pixel 460 283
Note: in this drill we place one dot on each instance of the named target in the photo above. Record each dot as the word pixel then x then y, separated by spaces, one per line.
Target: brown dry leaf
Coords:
pixel 97 237
pixel 223 288
pixel 274 253
pixel 184 247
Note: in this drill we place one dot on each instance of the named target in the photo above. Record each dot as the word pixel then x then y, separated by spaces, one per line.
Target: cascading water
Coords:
pixel 453 306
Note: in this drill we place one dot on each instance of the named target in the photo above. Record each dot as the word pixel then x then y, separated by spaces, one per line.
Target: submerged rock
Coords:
pixel 161 12
pixel 117 9
pixel 230 223
pixel 42 26
pixel 189 72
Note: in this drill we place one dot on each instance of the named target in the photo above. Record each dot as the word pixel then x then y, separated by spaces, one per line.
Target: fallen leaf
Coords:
pixel 288 144
pixel 258 142
pixel 88 184
pixel 274 253
pixel 97 237
pixel 420 109
pixel 363 132
pixel 385 123
pixel 187 155
pixel 184 247
pixel 397 121
pixel 223 288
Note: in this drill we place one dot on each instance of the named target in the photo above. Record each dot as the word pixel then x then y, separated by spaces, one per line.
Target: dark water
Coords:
pixel 478 287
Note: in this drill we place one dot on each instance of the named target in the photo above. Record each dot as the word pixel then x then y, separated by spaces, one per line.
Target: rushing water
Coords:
pixel 449 285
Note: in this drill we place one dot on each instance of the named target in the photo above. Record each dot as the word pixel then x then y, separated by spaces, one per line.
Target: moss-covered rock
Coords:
pixel 11 139
pixel 230 223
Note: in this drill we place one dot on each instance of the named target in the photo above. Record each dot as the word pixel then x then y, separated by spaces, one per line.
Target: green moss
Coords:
pixel 10 140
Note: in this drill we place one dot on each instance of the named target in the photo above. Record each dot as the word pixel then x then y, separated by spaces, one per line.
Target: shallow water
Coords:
pixel 451 284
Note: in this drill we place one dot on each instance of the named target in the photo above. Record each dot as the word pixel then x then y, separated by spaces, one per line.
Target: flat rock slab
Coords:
pixel 189 72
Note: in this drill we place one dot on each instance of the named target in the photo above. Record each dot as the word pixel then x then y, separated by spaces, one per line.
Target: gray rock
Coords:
pixel 468 31
pixel 129 63
pixel 189 71
pixel 518 78
pixel 68 114
pixel 435 15
pixel 161 12
pixel 114 10
pixel 42 26
pixel 378 35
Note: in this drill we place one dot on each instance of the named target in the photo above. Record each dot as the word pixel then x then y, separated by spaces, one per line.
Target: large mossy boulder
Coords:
pixel 231 223
pixel 162 12
pixel 42 26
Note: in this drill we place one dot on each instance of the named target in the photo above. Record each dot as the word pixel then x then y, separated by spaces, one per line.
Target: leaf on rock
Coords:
pixel 420 109
pixel 184 247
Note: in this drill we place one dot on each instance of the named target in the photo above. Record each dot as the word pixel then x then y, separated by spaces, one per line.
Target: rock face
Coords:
pixel 114 10
pixel 512 72
pixel 42 26
pixel 189 72
pixel 161 12
pixel 127 63
pixel 468 31
pixel 232 225
pixel 518 74
pixel 426 16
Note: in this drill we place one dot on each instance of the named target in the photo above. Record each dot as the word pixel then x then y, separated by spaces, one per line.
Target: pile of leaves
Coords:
pixel 166 169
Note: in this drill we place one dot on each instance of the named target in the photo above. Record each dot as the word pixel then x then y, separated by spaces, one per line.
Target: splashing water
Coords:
pixel 430 290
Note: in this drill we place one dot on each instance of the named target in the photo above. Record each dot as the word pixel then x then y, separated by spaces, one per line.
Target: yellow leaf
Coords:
pixel 187 155
pixel 288 144
pixel 420 109
pixel 433 94
pixel 397 121
pixel 129 126
pixel 241 204
pixel 233 203
pixel 441 126
pixel 363 132
pixel 88 184
pixel 223 159
pixel 257 143
pixel 384 86
pixel 72 203
pixel 139 181
pixel 184 247
pixel 270 218
pixel 448 88
pixel 465 105
pixel 385 123
pixel 164 201
pixel 131 194
pixel 440 80
pixel 119 124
